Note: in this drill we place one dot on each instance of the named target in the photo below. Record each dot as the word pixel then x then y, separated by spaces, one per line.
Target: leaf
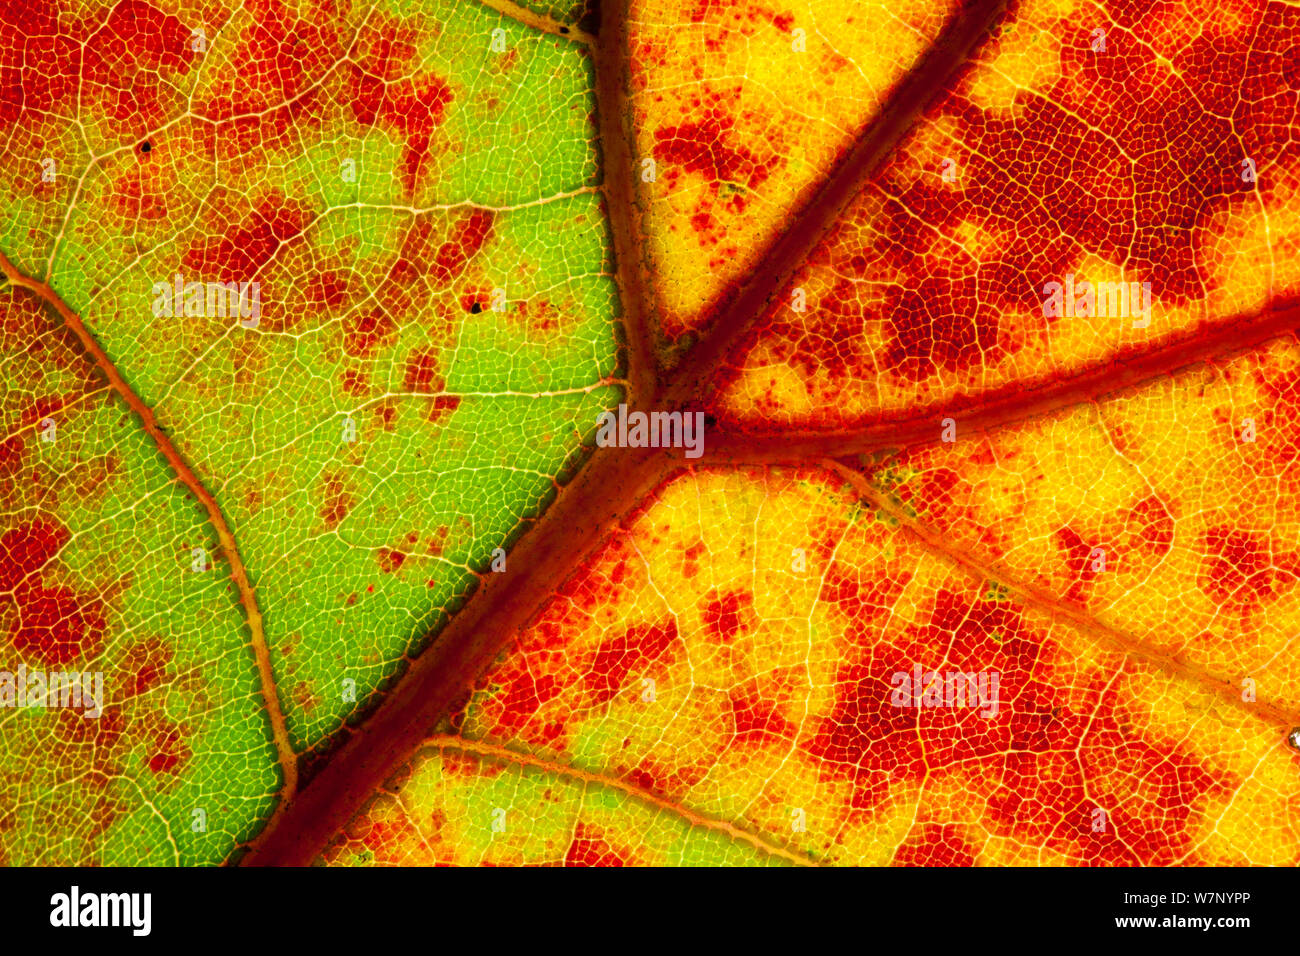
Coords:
pixel 827 231
pixel 135 727
pixel 744 107
pixel 694 667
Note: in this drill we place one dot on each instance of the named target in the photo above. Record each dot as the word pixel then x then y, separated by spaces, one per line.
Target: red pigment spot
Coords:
pixel 28 548
pixel 691 560
pixel 130 63
pixel 702 148
pixel 717 10
pixel 106 733
pixel 145 664
pixel 617 656
pixel 930 490
pixel 244 250
pixel 353 381
pixel 134 196
pixel 522 696
pixel 389 836
pixel 652 776
pixel 756 720
pixel 1044 748
pixel 302 691
pixel 1079 560
pixel 1241 570
pixel 525 681
pixel 24 318
pixel 783 22
pixel 1279 441
pixel 482 298
pixel 413 107
pixel 337 502
pixel 863 605
pixel 705 227
pixel 725 616
pixel 422 372
pixel 700 12
pixel 52 404
pixel 936 845
pixel 956 334
pixel 467 238
pixel 437 541
pixel 441 408
pixel 31 34
pixel 587 593
pixel 328 288
pixel 169 753
pixel 278 57
pixel 1151 522
pixel 538 315
pixel 11 463
pixel 365 330
pixel 390 560
pixel 589 848
pixel 619 572
pixel 644 779
pixel 57 625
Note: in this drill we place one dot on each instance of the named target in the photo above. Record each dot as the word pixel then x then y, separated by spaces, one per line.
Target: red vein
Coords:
pixel 1019 401
pixel 587 510
pixel 238 574
pixel 614 110
pixel 923 83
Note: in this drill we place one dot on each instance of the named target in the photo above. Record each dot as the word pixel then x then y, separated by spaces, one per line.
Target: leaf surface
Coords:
pixel 438 621
pixel 148 707
pixel 696 666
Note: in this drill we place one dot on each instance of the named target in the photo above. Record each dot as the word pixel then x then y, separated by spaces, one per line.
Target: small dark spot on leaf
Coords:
pixel 475 309
pixel 146 146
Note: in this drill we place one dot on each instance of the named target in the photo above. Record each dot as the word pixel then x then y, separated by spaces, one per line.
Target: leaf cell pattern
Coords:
pixel 310 313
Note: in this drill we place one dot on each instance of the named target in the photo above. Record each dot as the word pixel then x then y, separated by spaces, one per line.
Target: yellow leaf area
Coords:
pixel 1100 180
pixel 740 664
pixel 742 108
pixel 1169 512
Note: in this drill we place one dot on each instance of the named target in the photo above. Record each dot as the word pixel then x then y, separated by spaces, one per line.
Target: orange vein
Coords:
pixel 492 751
pixel 1049 603
pixel 238 574
pixel 1023 400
